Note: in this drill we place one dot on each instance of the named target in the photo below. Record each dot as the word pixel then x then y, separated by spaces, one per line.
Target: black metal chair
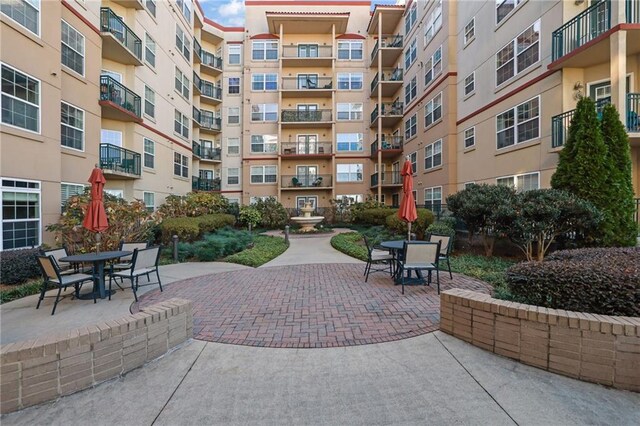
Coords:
pixel 51 275
pixel 375 257
pixel 446 243
pixel 144 262
pixel 64 267
pixel 420 256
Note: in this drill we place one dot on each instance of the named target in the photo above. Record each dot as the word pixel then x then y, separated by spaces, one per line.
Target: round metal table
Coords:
pixel 98 260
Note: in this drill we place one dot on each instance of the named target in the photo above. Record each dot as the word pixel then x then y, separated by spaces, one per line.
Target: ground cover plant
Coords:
pixel 215 245
pixel 264 249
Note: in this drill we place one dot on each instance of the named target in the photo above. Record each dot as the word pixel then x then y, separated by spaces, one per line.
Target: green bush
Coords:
pixel 212 222
pixel 374 216
pixel 265 248
pixel 356 209
pixel 419 227
pixel 273 214
pixel 351 244
pixel 442 228
pixel 599 281
pixel 18 266
pixel 250 216
pixel 190 229
pixel 215 245
pixel 193 204
pixel 22 290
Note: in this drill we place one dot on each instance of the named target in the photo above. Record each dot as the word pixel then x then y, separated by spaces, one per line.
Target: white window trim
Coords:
pixel 434 74
pixel 70 184
pixel 144 193
pixel 183 86
pixel 264 82
pixel 431 199
pixel 360 141
pixel 350 111
pixel 236 175
pixel 233 145
pixel 144 152
pixel 517 71
pixel 263 112
pixel 412 84
pixel 233 115
pixel 411 48
pixel 39 8
pixel 464 138
pixel 27 190
pixel 144 109
pixel 350 49
pixel 263 174
pixel 84 114
pixel 350 172
pixel 350 76
pixel 264 49
pixel 147 37
pixel 515 124
pixel 464 30
pixel 265 144
pixel 84 44
pixel 431 103
pixel 430 22
pixel 508 15
pixel 515 178
pixel 433 154
pixel 22 100
pixel 464 85
pixel 229 48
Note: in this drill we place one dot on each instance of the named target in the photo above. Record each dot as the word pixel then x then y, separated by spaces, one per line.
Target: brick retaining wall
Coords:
pixel 594 348
pixel 35 371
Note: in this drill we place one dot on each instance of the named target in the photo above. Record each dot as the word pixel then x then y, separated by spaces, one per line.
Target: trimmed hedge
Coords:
pixel 601 281
pixel 425 218
pixel 18 266
pixel 351 244
pixel 190 229
pixel 265 248
pixel 376 216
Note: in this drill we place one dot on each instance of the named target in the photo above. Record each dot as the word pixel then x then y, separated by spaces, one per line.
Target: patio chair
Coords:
pixel 445 245
pixel 317 181
pixel 295 182
pixel 125 261
pixel 377 257
pixel 420 256
pixel 144 262
pixel 64 267
pixel 51 275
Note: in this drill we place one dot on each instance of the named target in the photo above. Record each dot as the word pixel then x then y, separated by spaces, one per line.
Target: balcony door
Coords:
pixel 307 174
pixel 307 112
pixel 602 89
pixel 307 51
pixel 307 144
pixel 307 81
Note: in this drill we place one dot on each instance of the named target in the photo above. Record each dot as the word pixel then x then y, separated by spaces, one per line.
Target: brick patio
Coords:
pixel 308 306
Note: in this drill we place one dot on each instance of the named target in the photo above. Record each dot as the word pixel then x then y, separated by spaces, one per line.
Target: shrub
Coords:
pixel 357 209
pixel 374 216
pixel 419 227
pixel 265 248
pixel 215 245
pixel 250 216
pixel 600 281
pixel 351 244
pixel 274 215
pixel 186 228
pixel 212 222
pixel 18 266
pixel 193 204
pixel 441 228
pixel 22 290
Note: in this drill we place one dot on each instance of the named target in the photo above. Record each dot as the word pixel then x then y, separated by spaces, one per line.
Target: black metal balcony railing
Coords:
pixel 388 178
pixel 389 142
pixel 118 159
pixel 296 116
pixel 633 112
pixel 209 121
pixel 394 75
pixel 211 153
pixel 387 41
pixel 585 27
pixel 309 83
pixel 113 91
pixel 112 23
pixel 211 60
pixel 197 115
pixel 306 181
pixel 196 149
pixel 197 81
pixel 560 123
pixel 388 110
pixel 210 90
pixel 307 52
pixel 202 184
pixel 197 49
pixel 306 148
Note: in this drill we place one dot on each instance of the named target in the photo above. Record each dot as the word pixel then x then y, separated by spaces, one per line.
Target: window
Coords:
pixel 350 80
pixel 72 126
pixel 433 67
pixel 149 50
pixel 149 101
pixel 350 111
pixel 233 146
pixel 413 158
pixel 233 176
pixel 410 127
pixel 434 22
pixel 253 200
pixel 433 198
pixel 233 115
pixel 470 84
pixel 504 8
pixel 235 52
pixel 180 165
pixel 349 173
pixel 149 153
pixel 433 110
pixel 349 142
pixel 182 43
pixel 68 190
pixel 519 54
pixel 519 124
pixel 433 155
pixel 410 91
pixel 264 50
pixel 20 99
pixel 470 31
pixel 350 50
pixel 181 124
pixel 521 183
pixel 264 144
pixel 185 8
pixel 112 137
pixel 350 199
pixel 151 7
pixel 267 82
pixel 149 199
pixel 234 85
pixel 410 55
pixel 72 48
pixel 263 174
pixel 410 18
pixel 264 112
pixel 470 137
pixel 24 12
pixel 182 83
pixel 20 213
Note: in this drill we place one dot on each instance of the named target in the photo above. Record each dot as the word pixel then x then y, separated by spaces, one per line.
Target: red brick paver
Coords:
pixel 308 306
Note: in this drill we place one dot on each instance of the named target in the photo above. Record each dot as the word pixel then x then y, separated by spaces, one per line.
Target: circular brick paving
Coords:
pixel 308 306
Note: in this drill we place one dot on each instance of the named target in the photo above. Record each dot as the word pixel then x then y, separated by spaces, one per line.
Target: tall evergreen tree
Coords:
pixel 621 207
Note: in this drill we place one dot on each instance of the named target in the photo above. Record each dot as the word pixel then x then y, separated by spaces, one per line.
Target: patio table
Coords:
pixel 98 260
pixel 397 248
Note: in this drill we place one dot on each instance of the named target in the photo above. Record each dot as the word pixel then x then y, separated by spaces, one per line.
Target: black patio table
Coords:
pixel 98 260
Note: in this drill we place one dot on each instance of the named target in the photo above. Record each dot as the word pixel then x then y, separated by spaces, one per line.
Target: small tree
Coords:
pixel 250 216
pixel 620 208
pixel 475 206
pixel 274 215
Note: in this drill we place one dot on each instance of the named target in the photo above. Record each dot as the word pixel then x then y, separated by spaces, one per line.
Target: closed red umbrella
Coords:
pixel 95 220
pixel 408 211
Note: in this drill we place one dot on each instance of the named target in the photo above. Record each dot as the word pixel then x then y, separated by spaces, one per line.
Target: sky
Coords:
pixel 230 13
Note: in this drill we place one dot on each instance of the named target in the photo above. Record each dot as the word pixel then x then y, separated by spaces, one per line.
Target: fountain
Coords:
pixel 306 221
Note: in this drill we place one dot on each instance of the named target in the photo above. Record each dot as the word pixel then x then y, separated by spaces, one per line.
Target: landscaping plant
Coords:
pixel 250 216
pixel 190 229
pixel 265 248
pixel 193 204
pixel 273 214
pixel 18 266
pixel 419 227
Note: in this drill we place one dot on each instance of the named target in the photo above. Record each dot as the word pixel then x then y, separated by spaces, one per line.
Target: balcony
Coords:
pixel 202 184
pixel 211 64
pixel 119 42
pixel 196 116
pixel 208 153
pixel 560 123
pixel 118 161
pixel 297 118
pixel 197 51
pixel 118 102
pixel 307 86
pixel 307 56
pixel 390 47
pixel 133 4
pixel 209 122
pixel 633 112
pixel 297 182
pixel 196 149
pixel 197 82
pixel 389 179
pixel 391 146
pixel 306 148
pixel 389 82
pixel 210 93
pixel 390 114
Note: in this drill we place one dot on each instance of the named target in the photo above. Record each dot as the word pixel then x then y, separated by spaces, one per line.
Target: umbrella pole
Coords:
pixel 98 239
pixel 409 231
